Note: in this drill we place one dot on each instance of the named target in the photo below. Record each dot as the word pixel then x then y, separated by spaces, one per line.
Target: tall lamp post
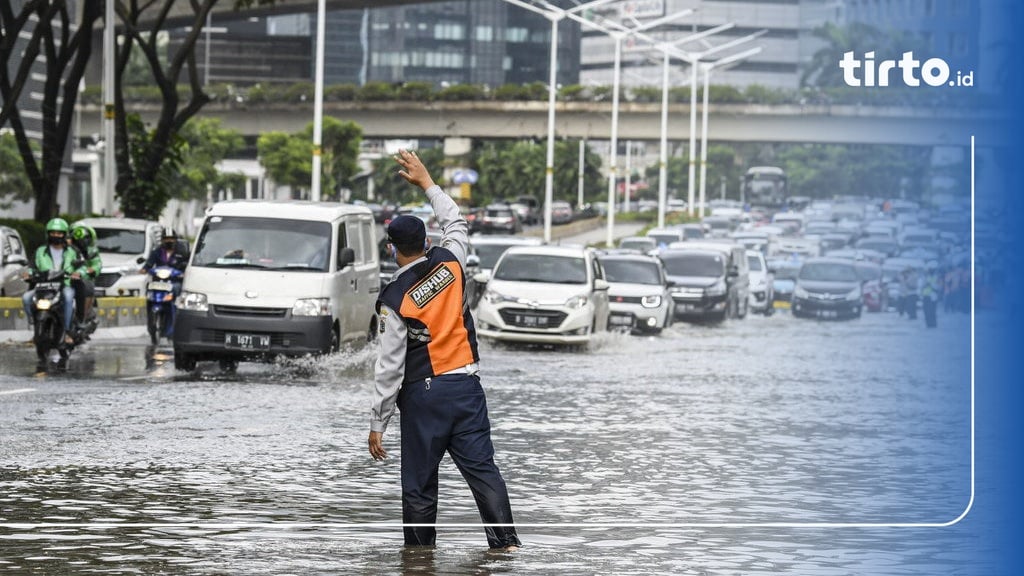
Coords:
pixel 708 67
pixel 555 15
pixel 318 100
pixel 618 36
pixel 694 60
pixel 666 51
pixel 109 164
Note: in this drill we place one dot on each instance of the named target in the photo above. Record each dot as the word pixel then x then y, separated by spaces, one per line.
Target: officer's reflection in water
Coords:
pixel 428 367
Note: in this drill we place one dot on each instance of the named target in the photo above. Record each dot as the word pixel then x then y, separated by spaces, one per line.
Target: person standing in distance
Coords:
pixel 428 367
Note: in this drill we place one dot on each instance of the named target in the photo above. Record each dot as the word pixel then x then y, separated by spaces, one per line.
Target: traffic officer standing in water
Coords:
pixel 428 366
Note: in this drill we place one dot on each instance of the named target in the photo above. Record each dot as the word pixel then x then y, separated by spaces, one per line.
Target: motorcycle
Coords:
pixel 160 302
pixel 48 318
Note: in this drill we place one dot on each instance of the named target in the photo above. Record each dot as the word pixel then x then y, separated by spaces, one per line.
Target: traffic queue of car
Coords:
pixel 830 260
pixel 834 259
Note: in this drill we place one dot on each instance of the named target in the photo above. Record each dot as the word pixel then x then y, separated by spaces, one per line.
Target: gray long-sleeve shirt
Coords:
pixel 389 371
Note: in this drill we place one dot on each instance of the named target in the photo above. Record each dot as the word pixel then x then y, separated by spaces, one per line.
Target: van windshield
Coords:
pixel 267 243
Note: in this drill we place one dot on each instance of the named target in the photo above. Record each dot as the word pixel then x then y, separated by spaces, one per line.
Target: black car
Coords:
pixel 828 288
pixel 704 285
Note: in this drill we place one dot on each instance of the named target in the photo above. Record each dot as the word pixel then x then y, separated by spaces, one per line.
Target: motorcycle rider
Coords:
pixel 171 253
pixel 56 255
pixel 83 238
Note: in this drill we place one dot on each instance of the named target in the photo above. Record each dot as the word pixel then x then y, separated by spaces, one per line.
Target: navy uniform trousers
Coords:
pixel 449 414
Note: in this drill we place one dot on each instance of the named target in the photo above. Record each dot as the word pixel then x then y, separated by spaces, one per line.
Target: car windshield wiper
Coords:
pixel 296 267
pixel 234 265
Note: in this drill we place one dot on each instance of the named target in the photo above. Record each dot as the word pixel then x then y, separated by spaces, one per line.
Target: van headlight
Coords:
pixel 576 302
pixel 651 301
pixel 312 307
pixel 854 294
pixel 717 289
pixel 193 302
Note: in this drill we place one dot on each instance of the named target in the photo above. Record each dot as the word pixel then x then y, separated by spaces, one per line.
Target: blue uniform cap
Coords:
pixel 407 231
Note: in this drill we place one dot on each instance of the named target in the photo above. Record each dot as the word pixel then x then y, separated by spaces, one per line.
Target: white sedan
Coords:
pixel 544 295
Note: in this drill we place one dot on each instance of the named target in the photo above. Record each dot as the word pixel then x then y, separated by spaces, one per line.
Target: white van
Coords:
pixel 270 278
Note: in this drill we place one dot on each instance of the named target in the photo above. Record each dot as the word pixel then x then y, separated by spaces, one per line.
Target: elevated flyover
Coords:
pixel 518 120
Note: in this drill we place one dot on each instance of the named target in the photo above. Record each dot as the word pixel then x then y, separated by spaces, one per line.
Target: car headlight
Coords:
pixel 799 292
pixel 576 302
pixel 651 301
pixel 716 289
pixel 493 297
pixel 854 294
pixel 192 301
pixel 312 307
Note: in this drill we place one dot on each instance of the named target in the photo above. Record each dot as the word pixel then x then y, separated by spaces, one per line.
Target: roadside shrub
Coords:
pixel 462 93
pixel 340 93
pixel 299 92
pixel 416 92
pixel 376 91
pixel 572 93
pixel 646 94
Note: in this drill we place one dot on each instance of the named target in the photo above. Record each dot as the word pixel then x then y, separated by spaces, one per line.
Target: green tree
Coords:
pixel 510 169
pixel 827 170
pixel 677 175
pixel 288 159
pixel 341 140
pixel 392 188
pixel 14 183
pixel 205 143
pixel 145 156
pixel 61 40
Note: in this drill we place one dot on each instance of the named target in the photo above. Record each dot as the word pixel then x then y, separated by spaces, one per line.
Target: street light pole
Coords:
pixel 555 15
pixel 708 67
pixel 318 100
pixel 109 163
pixel 618 32
pixel 665 49
pixel 694 60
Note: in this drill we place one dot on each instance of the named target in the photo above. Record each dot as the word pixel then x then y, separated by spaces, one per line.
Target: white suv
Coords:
pixel 121 242
pixel 544 295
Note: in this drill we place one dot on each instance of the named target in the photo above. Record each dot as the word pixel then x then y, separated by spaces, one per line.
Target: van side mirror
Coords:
pixel 482 277
pixel 670 283
pixel 733 272
pixel 472 261
pixel 140 260
pixel 346 256
pixel 600 284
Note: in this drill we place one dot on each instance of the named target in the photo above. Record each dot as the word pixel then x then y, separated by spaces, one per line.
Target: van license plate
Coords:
pixel 247 341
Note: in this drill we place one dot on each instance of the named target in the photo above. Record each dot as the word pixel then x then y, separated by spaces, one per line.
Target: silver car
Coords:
pixel 638 296
pixel 15 261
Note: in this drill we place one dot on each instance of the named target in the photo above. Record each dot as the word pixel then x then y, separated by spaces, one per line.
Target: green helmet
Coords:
pixel 57 225
pixel 82 232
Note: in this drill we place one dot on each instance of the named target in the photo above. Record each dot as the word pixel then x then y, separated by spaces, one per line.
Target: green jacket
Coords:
pixel 92 260
pixel 44 262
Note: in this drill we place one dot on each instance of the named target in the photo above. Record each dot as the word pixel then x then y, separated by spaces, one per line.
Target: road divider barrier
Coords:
pixel 111 311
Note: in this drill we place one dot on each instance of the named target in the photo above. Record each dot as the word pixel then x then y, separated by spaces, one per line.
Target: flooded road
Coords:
pixel 729 449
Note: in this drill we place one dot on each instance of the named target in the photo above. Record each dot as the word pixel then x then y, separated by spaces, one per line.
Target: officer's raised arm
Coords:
pixel 454 228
